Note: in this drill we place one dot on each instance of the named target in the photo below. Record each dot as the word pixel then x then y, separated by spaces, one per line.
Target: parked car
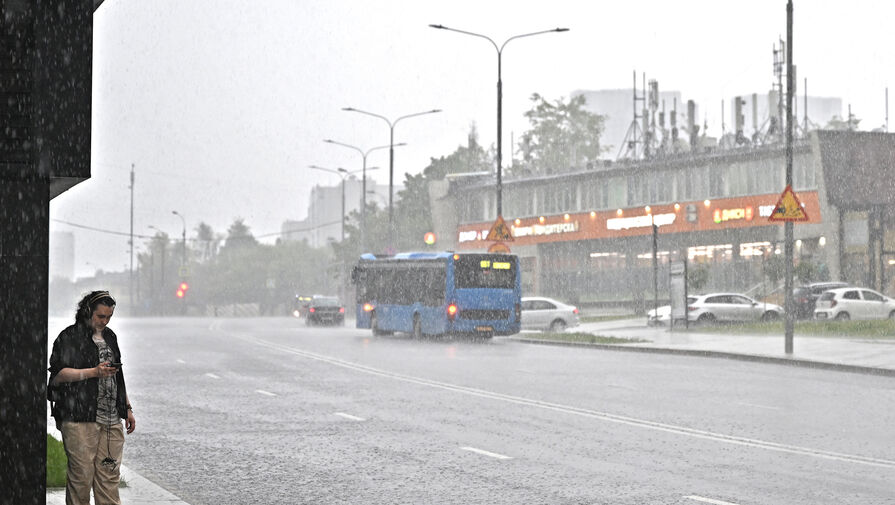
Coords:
pixel 731 307
pixel 325 310
pixel 540 313
pixel 661 316
pixel 854 303
pixel 805 297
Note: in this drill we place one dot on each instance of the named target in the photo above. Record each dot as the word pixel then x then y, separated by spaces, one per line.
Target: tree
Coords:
pixel 208 242
pixel 239 237
pixel 563 136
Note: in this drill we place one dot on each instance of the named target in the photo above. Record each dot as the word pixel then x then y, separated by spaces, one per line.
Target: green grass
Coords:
pixel 877 329
pixel 599 319
pixel 584 337
pixel 56 462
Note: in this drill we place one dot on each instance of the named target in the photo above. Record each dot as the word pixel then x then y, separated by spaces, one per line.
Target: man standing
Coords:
pixel 88 398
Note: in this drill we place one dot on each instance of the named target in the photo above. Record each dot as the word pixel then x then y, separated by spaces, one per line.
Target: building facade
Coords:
pixel 587 236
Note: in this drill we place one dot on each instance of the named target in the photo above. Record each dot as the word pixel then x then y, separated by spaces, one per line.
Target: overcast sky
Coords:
pixel 221 105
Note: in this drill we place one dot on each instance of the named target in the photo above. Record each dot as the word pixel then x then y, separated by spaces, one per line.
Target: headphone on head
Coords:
pixel 87 311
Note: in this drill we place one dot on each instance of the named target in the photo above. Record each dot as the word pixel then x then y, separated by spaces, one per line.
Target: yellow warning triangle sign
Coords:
pixel 788 208
pixel 500 232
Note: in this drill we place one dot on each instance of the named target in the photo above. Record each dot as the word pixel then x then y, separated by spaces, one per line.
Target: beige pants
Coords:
pixel 87 445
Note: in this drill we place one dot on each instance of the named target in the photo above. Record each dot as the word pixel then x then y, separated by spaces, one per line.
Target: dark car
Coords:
pixel 805 297
pixel 325 310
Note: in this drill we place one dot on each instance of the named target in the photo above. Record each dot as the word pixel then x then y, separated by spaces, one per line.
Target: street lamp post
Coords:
pixel 391 162
pixel 499 97
pixel 655 230
pixel 363 204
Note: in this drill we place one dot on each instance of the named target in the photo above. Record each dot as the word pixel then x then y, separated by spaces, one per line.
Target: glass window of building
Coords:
pixel 618 192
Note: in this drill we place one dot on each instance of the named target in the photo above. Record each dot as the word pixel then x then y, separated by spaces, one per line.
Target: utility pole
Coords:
pixel 131 283
pixel 787 226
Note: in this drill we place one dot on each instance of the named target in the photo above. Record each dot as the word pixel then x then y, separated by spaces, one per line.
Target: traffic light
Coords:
pixel 429 238
pixel 182 289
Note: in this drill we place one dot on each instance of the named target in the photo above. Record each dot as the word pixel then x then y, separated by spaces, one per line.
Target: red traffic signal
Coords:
pixel 429 238
pixel 182 289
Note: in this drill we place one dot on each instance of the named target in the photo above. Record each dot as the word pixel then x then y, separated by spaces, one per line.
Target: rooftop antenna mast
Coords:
pixel 777 123
pixel 631 147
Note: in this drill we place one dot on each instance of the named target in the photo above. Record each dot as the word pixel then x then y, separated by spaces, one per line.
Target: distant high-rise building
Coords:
pixel 618 107
pixel 323 223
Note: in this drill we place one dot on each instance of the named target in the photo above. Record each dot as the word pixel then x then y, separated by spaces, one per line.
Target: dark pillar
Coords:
pixel 45 98
pixel 24 231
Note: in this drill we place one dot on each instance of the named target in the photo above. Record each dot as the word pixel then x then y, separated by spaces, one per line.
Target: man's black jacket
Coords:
pixel 76 401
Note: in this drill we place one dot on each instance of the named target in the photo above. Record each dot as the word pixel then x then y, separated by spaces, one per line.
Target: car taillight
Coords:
pixel 691 308
pixel 832 304
pixel 452 311
pixel 341 310
pixel 368 307
pixel 518 312
pixel 575 310
pixel 312 310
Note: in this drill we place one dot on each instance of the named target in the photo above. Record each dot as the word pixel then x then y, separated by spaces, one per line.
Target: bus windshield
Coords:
pixel 485 271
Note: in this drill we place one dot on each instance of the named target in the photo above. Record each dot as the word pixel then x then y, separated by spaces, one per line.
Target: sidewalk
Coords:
pixel 138 491
pixel 855 354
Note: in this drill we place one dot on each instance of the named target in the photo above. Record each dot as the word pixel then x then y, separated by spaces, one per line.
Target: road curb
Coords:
pixel 756 358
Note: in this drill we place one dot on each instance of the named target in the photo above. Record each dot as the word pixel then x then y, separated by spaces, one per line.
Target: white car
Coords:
pixel 854 303
pixel 731 307
pixel 661 316
pixel 540 313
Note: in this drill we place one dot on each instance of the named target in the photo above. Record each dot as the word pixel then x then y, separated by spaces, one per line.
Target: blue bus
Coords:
pixel 439 293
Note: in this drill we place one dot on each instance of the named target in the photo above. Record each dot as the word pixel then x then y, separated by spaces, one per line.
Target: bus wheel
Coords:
pixel 417 327
pixel 374 323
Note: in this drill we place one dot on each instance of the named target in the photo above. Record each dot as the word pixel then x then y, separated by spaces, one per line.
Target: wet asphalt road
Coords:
pixel 262 410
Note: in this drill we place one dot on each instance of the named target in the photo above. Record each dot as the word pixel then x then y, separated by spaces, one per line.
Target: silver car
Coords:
pixel 540 313
pixel 731 307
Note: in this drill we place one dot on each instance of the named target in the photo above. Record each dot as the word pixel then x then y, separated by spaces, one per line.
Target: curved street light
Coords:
pixel 363 205
pixel 391 162
pixel 499 95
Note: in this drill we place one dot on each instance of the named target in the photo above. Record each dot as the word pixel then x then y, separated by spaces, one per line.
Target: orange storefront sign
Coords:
pixel 685 217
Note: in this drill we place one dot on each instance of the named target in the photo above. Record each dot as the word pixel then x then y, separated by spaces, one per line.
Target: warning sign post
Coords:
pixel 788 208
pixel 500 232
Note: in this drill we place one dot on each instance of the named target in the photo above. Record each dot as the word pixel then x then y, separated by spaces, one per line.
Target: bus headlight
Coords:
pixel 368 307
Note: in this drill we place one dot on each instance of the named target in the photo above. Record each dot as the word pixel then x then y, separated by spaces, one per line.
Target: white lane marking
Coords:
pixel 759 406
pixel 182 362
pixel 486 453
pixel 709 500
pixel 213 376
pixel 263 392
pixel 349 416
pixel 592 414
